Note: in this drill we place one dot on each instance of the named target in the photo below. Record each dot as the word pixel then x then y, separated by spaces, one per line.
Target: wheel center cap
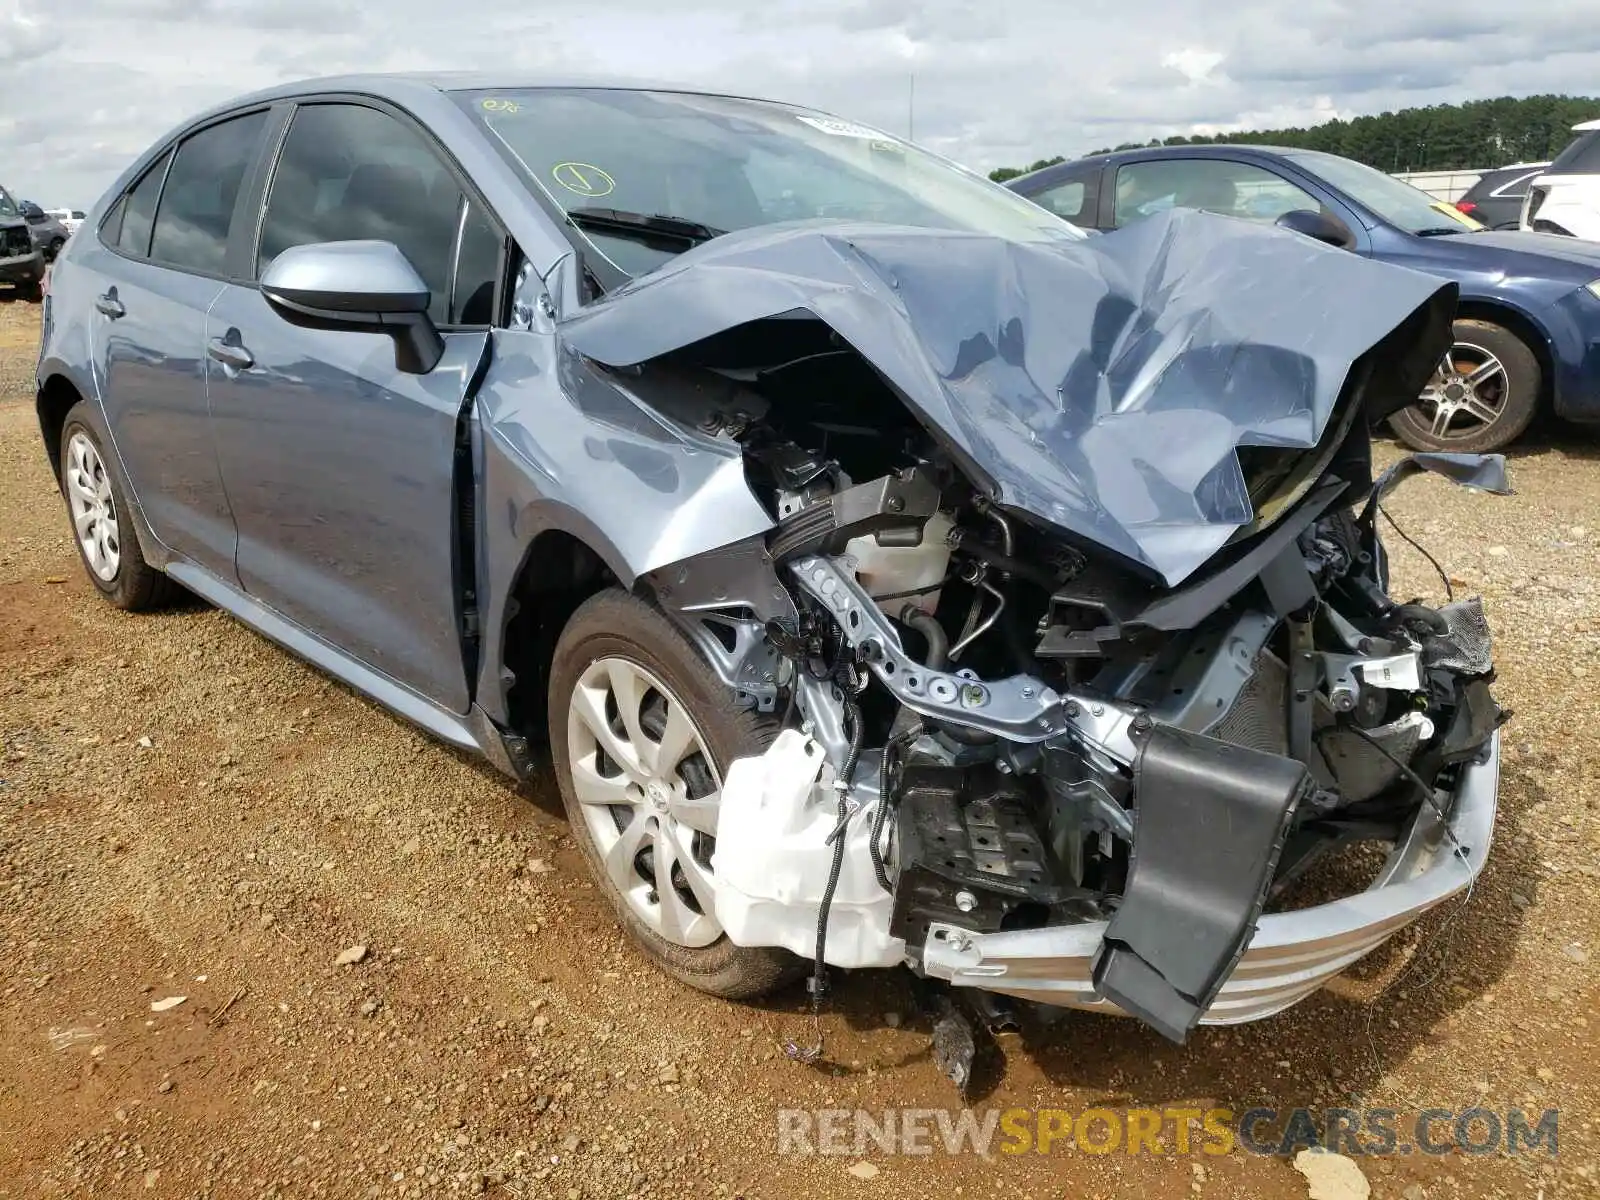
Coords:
pixel 1455 391
pixel 658 795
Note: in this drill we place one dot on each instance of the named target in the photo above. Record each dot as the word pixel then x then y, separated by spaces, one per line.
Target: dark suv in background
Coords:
pixel 1496 199
pixel 49 234
pixel 21 264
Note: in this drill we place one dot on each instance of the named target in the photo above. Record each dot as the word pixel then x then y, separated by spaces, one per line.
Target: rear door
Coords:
pixel 340 468
pixel 159 265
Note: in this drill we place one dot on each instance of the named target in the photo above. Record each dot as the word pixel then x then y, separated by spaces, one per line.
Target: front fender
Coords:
pixel 565 446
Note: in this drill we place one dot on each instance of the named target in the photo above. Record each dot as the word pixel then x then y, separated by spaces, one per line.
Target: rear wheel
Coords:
pixel 1482 396
pixel 101 525
pixel 641 731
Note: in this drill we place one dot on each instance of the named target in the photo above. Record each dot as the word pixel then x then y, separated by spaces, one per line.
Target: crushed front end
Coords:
pixel 1073 616
pixel 1049 784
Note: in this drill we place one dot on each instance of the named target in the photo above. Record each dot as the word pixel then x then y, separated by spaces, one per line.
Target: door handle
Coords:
pixel 110 305
pixel 230 353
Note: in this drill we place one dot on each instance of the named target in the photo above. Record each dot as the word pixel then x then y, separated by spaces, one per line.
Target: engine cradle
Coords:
pixel 968 854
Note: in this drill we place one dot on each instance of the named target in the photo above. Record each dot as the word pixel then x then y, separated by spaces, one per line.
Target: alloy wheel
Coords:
pixel 94 510
pixel 1466 394
pixel 650 793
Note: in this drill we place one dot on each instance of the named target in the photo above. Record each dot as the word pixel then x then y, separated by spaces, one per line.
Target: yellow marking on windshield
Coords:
pixel 585 179
pixel 1456 214
pixel 496 104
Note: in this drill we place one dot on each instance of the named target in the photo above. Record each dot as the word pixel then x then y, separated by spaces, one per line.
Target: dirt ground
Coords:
pixel 189 812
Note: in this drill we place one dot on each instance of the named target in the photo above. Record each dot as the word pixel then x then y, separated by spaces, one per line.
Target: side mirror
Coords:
pixel 364 287
pixel 1319 226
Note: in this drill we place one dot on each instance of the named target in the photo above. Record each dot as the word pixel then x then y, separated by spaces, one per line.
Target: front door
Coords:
pixel 340 468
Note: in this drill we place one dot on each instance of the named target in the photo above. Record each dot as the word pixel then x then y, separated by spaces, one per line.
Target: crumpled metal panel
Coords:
pixel 1102 384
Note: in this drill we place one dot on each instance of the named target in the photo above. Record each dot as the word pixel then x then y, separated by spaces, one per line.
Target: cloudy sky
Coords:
pixel 87 85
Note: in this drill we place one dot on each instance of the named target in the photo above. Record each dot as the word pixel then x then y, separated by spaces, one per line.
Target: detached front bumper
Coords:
pixel 1289 956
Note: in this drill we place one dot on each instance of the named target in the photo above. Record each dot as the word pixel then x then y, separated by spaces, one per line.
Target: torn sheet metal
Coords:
pixel 1481 472
pixel 1103 384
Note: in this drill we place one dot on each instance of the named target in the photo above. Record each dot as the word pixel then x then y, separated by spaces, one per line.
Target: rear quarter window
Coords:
pixel 129 226
pixel 1581 157
pixel 1072 198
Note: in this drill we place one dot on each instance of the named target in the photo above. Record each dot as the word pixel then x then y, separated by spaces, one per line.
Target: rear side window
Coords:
pixel 191 227
pixel 1505 185
pixel 139 210
pixel 1074 197
pixel 1581 157
pixel 1065 200
pixel 1515 187
pixel 347 173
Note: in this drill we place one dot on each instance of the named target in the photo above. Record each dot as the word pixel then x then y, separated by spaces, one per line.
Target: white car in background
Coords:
pixel 1566 198
pixel 71 218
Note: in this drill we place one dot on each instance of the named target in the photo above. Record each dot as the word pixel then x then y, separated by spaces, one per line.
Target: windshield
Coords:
pixel 8 206
pixel 1398 203
pixel 726 164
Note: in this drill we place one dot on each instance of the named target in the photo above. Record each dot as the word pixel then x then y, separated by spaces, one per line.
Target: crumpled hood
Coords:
pixel 1104 384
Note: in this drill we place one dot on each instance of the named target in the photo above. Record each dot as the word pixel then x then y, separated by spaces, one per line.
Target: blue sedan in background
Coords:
pixel 1527 333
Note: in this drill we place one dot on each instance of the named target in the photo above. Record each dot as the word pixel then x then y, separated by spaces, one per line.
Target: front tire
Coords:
pixel 102 525
pixel 1482 397
pixel 641 733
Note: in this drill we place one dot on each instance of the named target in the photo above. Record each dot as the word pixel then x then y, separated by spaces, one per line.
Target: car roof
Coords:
pixel 1499 173
pixel 1585 126
pixel 400 86
pixel 1204 150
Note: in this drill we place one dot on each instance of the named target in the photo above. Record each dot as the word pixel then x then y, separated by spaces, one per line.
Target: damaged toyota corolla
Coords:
pixel 899 576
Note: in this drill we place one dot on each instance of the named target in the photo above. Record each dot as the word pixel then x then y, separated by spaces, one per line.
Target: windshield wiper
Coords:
pixel 643 227
pixel 1442 231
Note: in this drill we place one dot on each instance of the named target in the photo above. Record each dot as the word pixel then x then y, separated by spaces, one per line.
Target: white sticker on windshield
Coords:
pixel 837 128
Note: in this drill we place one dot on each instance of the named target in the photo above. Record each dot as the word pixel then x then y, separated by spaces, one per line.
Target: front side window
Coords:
pixel 8 206
pixel 350 173
pixel 196 211
pixel 714 164
pixel 1233 189
pixel 139 210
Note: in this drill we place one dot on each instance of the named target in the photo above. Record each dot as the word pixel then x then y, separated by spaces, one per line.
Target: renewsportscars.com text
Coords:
pixel 1212 1131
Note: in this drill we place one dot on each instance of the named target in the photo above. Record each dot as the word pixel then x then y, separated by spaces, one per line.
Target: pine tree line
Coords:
pixel 1440 137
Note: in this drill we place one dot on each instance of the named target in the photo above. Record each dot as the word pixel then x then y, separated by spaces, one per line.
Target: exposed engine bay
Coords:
pixel 988 728
pixel 1051 743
